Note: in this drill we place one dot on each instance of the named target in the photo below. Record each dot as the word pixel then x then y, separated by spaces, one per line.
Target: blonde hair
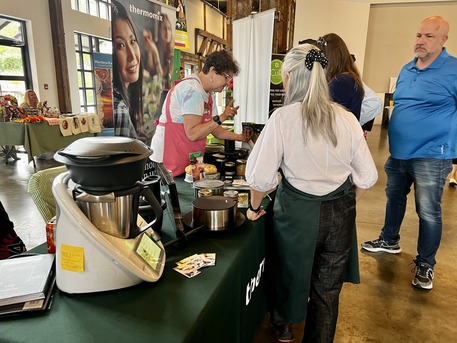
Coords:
pixel 309 87
pixel 26 98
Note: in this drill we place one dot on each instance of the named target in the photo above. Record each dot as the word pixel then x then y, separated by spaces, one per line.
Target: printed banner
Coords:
pixel 143 35
pixel 182 37
pixel 276 87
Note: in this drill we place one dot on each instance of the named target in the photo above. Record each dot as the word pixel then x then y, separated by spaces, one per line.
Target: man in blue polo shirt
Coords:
pixel 422 141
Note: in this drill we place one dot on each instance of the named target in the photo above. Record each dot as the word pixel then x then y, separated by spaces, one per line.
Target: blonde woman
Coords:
pixel 30 99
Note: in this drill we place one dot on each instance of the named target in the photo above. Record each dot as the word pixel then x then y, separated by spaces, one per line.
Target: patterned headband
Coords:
pixel 315 55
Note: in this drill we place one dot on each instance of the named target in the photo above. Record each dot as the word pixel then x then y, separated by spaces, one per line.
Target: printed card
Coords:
pixel 209 259
pixel 187 271
pixel 190 266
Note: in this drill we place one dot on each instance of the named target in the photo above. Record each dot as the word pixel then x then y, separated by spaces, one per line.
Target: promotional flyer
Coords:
pixel 276 86
pixel 103 66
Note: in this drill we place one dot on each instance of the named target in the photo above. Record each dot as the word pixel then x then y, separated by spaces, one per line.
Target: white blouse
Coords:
pixel 316 167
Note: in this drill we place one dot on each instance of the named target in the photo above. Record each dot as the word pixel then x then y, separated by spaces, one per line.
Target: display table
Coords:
pixel 11 134
pixel 37 138
pixel 225 303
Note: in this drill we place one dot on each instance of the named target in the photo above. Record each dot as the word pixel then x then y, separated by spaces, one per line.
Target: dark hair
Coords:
pixel 133 95
pixel 308 41
pixel 222 61
pixel 339 58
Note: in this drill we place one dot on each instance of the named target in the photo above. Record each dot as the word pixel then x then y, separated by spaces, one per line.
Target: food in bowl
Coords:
pixel 210 169
pixel 207 168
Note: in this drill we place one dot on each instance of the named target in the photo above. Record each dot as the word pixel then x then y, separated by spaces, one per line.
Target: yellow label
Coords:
pixel 72 258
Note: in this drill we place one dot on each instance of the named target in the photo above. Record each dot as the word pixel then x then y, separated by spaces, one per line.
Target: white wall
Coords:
pixel 348 19
pixel 36 15
pixel 351 20
pixel 385 56
pixel 195 15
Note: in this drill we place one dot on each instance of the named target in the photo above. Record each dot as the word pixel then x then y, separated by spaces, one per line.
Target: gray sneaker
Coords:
pixel 380 245
pixel 424 276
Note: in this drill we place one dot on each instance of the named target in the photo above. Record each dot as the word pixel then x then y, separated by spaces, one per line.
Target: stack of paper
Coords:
pixel 26 283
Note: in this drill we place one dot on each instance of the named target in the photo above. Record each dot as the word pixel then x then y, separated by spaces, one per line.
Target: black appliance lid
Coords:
pixel 98 146
pixel 103 151
pixel 106 145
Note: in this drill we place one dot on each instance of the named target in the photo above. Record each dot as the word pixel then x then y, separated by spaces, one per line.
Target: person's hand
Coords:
pixel 246 136
pixel 230 111
pixel 251 215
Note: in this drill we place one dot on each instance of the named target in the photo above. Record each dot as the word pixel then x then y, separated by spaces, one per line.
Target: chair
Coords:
pixel 40 190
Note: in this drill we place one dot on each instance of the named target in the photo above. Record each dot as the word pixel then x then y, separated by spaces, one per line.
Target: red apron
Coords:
pixel 177 146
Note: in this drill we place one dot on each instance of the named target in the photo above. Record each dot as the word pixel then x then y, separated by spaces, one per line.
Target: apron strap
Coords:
pixel 345 189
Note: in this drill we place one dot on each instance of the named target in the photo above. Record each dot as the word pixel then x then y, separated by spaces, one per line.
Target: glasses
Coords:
pixel 228 78
pixel 321 41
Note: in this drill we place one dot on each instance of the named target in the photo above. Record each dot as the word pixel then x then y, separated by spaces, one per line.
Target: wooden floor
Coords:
pixel 384 308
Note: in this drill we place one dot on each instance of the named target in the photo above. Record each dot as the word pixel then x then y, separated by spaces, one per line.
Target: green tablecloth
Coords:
pixel 215 306
pixel 37 138
pixel 41 138
pixel 12 133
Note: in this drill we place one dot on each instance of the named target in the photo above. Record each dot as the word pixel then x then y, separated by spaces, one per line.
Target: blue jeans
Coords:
pixel 429 177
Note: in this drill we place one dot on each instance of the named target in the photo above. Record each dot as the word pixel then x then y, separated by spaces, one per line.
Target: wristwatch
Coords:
pixel 217 119
pixel 257 210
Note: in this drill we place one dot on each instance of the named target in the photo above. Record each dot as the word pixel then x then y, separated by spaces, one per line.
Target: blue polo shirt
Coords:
pixel 424 120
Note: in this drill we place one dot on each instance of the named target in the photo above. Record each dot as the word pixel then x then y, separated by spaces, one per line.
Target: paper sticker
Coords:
pixel 72 258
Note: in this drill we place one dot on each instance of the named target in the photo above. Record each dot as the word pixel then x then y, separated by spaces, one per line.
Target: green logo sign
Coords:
pixel 276 66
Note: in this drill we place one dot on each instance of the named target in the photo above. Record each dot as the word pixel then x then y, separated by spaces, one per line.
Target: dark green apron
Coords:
pixel 296 223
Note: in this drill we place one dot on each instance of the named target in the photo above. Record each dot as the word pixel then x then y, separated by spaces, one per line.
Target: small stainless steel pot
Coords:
pixel 215 213
pixel 217 186
pixel 116 213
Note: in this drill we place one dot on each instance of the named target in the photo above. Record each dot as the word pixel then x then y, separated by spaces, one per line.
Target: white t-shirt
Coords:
pixel 187 97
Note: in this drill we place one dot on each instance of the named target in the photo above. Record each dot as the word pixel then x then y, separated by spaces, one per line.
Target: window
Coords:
pixel 96 8
pixel 219 5
pixel 85 46
pixel 14 62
